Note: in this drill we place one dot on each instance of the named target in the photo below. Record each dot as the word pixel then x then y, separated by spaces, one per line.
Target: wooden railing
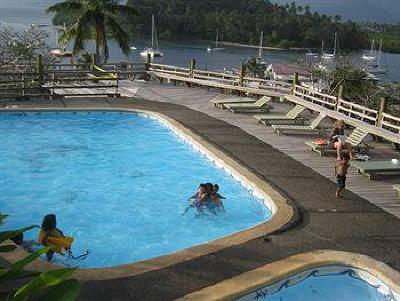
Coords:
pixel 390 123
pixel 357 111
pixel 375 122
pixel 222 80
pixel 50 80
pixel 315 97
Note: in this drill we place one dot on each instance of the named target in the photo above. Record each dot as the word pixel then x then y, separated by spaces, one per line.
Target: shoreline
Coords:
pixel 267 47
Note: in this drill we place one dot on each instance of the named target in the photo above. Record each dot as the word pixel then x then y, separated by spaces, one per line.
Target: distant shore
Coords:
pixel 265 47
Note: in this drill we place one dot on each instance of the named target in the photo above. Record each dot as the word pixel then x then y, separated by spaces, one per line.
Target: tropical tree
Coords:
pixel 94 19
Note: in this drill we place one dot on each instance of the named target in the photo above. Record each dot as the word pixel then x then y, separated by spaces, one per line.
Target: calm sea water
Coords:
pixel 24 12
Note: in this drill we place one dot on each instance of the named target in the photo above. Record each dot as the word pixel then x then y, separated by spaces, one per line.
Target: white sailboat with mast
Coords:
pixel 61 49
pixel 216 48
pixel 260 50
pixel 371 56
pixel 376 68
pixel 330 56
pixel 153 51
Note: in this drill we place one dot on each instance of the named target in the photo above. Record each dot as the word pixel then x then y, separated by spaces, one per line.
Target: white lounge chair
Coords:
pixel 292 116
pixel 259 106
pixel 312 128
pixel 222 101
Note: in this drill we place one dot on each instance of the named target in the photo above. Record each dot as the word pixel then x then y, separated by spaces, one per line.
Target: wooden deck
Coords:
pixel 380 193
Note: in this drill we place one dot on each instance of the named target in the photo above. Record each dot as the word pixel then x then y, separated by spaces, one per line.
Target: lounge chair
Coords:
pixel 292 116
pixel 372 168
pixel 221 102
pixel 397 187
pixel 312 128
pixel 259 106
pixel 355 139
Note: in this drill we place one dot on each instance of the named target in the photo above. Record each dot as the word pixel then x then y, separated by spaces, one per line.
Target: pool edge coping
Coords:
pixel 282 212
pixel 249 282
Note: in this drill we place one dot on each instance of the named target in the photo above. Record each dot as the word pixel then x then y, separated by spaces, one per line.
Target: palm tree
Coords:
pixel 94 19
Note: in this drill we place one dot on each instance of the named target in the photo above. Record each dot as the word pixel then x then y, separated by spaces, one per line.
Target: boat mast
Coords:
pixel 379 53
pixel 322 47
pixel 216 39
pixel 335 45
pixel 261 44
pixel 372 47
pixel 152 31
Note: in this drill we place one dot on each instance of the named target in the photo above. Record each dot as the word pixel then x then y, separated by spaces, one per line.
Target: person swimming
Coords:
pixel 206 196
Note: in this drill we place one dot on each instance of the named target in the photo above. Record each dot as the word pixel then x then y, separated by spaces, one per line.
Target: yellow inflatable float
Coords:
pixel 55 239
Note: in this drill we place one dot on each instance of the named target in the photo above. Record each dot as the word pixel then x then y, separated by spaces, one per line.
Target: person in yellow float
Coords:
pixel 51 236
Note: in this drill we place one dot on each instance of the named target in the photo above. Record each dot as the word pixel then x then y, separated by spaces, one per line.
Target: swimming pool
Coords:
pixel 334 283
pixel 118 183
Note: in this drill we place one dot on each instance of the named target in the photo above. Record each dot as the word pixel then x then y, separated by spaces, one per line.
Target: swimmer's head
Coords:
pixel 202 187
pixel 49 222
pixel 209 187
pixel 216 187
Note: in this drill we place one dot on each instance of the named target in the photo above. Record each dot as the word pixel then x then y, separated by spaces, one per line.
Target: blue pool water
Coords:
pixel 346 285
pixel 118 183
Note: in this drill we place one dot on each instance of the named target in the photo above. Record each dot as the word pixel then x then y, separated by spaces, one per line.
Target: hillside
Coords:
pixel 382 11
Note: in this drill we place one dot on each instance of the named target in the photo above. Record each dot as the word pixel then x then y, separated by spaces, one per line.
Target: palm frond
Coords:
pixel 119 34
pixel 66 6
pixel 118 9
pixel 79 31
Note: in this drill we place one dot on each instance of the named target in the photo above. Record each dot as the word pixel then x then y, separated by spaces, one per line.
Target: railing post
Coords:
pixel 339 97
pixel 242 74
pixel 192 67
pixel 382 108
pixel 295 82
pixel 40 70
pixel 116 92
pixel 147 67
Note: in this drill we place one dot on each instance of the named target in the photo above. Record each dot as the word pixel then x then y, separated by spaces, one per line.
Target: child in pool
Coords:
pixel 198 198
pixel 51 236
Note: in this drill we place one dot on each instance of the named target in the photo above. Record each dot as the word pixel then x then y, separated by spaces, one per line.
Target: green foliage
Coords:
pixel 242 21
pixel 10 234
pixel 357 87
pixel 389 33
pixel 50 285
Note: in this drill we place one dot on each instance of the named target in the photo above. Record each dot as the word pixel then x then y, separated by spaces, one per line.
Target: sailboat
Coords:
pixel 153 51
pixel 377 68
pixel 216 48
pixel 60 50
pixel 260 62
pixel 330 56
pixel 371 56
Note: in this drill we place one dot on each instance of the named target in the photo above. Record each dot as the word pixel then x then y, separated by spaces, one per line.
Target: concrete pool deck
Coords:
pixel 356 225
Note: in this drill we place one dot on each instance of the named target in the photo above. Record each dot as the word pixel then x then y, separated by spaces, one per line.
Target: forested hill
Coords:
pixel 241 21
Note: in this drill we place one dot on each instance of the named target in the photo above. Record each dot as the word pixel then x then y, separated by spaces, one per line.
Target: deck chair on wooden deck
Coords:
pixel 312 128
pixel 222 103
pixel 355 139
pixel 293 116
pixel 259 106
pixel 221 100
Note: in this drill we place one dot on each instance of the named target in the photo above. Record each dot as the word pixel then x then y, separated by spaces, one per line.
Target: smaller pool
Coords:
pixel 336 283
